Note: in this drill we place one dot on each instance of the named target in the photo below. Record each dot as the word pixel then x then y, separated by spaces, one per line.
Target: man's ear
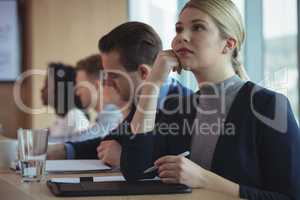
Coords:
pixel 144 71
pixel 230 45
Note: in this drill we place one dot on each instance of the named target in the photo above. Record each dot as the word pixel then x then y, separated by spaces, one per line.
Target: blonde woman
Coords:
pixel 243 139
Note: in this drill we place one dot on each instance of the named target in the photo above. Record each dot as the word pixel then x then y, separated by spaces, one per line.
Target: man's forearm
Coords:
pixel 56 152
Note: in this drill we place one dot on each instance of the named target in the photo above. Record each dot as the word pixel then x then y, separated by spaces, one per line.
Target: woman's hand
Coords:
pixel 164 63
pixel 144 118
pixel 178 169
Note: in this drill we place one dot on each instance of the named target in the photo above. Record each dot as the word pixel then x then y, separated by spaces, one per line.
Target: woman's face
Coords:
pixel 47 91
pixel 198 43
pixel 44 92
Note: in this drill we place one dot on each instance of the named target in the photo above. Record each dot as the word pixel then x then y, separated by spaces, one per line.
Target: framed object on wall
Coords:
pixel 10 62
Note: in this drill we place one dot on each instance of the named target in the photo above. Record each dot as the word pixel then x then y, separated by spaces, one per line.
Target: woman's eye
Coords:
pixel 198 27
pixel 178 29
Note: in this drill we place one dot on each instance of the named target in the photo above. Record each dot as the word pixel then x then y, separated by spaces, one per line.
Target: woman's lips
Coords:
pixel 183 51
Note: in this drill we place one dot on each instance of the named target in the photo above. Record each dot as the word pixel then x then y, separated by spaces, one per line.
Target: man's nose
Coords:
pixel 77 91
pixel 108 82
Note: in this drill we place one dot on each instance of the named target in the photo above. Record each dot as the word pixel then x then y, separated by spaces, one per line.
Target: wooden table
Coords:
pixel 12 188
pixel 2 137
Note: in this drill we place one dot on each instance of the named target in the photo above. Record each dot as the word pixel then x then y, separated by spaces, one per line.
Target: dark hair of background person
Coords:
pixel 136 42
pixel 91 65
pixel 65 97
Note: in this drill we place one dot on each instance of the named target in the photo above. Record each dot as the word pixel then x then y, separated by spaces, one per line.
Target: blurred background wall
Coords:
pixel 55 31
pixel 68 30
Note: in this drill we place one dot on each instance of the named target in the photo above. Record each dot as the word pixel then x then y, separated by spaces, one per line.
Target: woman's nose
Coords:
pixel 184 36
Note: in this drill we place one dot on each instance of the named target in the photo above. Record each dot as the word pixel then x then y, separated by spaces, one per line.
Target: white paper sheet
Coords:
pixel 95 179
pixel 75 165
pixel 65 180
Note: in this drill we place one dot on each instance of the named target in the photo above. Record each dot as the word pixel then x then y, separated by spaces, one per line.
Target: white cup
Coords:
pixel 8 152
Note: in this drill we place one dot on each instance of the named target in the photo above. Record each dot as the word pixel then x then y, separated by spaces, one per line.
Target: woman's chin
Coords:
pixel 185 66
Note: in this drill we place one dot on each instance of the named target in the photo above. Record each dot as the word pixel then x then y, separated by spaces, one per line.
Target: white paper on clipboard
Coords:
pixel 61 166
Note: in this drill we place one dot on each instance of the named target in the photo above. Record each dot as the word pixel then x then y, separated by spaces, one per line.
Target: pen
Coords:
pixel 153 168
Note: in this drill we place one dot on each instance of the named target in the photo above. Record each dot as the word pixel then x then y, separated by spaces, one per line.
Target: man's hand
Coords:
pixel 56 152
pixel 109 151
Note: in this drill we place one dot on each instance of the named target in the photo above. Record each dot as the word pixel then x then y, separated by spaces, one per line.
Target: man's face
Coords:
pixel 122 81
pixel 86 89
pixel 44 92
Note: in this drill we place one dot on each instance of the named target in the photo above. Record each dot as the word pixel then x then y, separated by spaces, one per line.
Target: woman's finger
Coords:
pixel 179 68
pixel 168 166
pixel 166 159
pixel 171 55
pixel 169 180
pixel 168 174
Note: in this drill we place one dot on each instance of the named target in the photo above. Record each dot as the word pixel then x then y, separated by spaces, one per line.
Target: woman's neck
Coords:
pixel 215 74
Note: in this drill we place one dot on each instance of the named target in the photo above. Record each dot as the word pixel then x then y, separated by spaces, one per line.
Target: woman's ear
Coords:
pixel 144 71
pixel 230 45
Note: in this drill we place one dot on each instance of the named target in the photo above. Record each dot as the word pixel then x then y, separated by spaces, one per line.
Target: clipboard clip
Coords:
pixel 86 179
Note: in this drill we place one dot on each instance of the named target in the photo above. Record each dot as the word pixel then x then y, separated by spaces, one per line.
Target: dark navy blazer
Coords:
pixel 262 156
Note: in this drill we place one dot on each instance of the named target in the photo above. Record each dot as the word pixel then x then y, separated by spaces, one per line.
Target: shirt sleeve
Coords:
pixel 106 121
pixel 77 120
pixel 70 151
pixel 66 127
pixel 85 149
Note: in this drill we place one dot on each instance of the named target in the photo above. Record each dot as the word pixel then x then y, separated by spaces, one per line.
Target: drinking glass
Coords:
pixel 32 152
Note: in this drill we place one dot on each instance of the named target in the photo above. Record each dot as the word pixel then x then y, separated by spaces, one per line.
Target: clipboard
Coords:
pixel 115 188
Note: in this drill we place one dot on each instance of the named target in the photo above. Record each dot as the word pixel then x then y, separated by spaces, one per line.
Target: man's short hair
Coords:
pixel 91 65
pixel 136 42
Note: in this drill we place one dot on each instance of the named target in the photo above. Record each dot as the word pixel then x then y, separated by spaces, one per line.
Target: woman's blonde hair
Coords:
pixel 229 22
